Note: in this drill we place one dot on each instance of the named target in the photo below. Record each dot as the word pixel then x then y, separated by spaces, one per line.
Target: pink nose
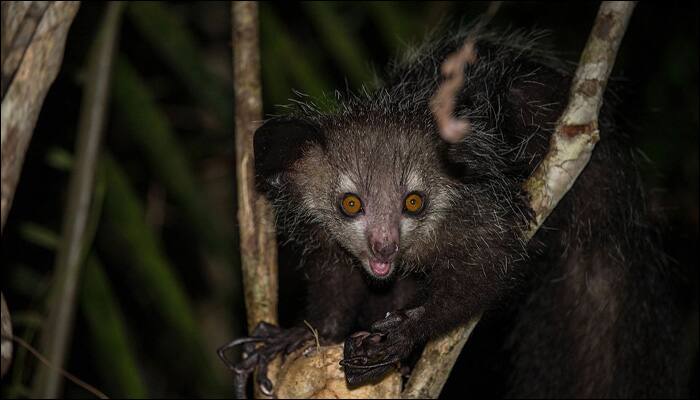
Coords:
pixel 385 251
pixel 384 242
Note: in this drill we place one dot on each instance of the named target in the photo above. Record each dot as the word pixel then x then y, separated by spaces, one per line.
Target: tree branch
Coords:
pixel 576 132
pixel 33 38
pixel 570 149
pixel 257 231
pixel 5 344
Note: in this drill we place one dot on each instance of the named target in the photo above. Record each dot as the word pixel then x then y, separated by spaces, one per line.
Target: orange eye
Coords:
pixel 351 205
pixel 413 204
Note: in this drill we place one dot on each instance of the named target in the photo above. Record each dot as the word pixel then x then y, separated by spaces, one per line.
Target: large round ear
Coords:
pixel 278 143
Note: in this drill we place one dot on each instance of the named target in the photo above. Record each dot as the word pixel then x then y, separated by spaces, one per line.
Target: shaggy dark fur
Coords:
pixel 597 318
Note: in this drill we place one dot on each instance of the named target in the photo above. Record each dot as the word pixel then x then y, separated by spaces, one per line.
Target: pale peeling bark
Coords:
pixel 6 339
pixel 257 231
pixel 258 243
pixel 576 132
pixel 33 38
pixel 570 149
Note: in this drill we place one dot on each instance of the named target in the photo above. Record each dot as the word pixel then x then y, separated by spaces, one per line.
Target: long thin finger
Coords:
pixel 241 372
pixel 239 384
pixel 223 349
pixel 263 380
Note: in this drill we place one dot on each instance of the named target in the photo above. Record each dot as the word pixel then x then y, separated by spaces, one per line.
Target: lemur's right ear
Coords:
pixel 278 143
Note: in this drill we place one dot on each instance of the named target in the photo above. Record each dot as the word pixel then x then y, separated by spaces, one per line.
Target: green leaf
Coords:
pixel 114 356
pixel 157 289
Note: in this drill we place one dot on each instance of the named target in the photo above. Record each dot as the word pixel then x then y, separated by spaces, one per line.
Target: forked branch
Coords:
pixel 570 148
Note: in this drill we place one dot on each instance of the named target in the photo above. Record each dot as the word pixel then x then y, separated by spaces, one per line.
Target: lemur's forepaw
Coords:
pixel 266 342
pixel 370 355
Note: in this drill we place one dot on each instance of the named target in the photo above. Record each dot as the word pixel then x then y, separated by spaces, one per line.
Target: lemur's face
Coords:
pixel 381 195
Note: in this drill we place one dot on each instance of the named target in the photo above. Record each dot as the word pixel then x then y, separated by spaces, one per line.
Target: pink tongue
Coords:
pixel 379 268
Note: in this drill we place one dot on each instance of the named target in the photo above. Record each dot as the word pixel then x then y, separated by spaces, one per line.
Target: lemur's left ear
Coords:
pixel 528 106
pixel 279 143
pixel 533 104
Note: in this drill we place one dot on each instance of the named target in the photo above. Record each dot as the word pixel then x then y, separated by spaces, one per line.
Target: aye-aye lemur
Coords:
pixel 405 236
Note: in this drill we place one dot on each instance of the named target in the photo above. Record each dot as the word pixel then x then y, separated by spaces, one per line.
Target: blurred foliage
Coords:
pixel 110 340
pixel 166 32
pixel 162 296
pixel 148 128
pixel 104 319
pixel 160 289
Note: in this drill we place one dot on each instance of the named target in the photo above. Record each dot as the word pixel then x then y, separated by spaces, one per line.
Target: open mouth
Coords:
pixel 380 268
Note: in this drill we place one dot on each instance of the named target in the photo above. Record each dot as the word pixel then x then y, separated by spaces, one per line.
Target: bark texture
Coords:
pixel 33 37
pixel 570 149
pixel 257 231
pixel 6 345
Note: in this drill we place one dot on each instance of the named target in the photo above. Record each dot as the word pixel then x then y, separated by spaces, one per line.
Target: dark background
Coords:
pixel 162 288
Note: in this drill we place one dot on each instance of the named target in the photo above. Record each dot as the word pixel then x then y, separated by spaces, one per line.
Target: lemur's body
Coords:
pixel 392 219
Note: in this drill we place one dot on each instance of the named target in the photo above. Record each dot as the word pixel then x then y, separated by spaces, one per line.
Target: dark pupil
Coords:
pixel 351 204
pixel 413 202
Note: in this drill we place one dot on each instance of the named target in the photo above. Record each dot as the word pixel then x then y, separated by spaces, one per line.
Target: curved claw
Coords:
pixel 221 351
pixel 241 372
pixel 263 381
pixel 274 341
